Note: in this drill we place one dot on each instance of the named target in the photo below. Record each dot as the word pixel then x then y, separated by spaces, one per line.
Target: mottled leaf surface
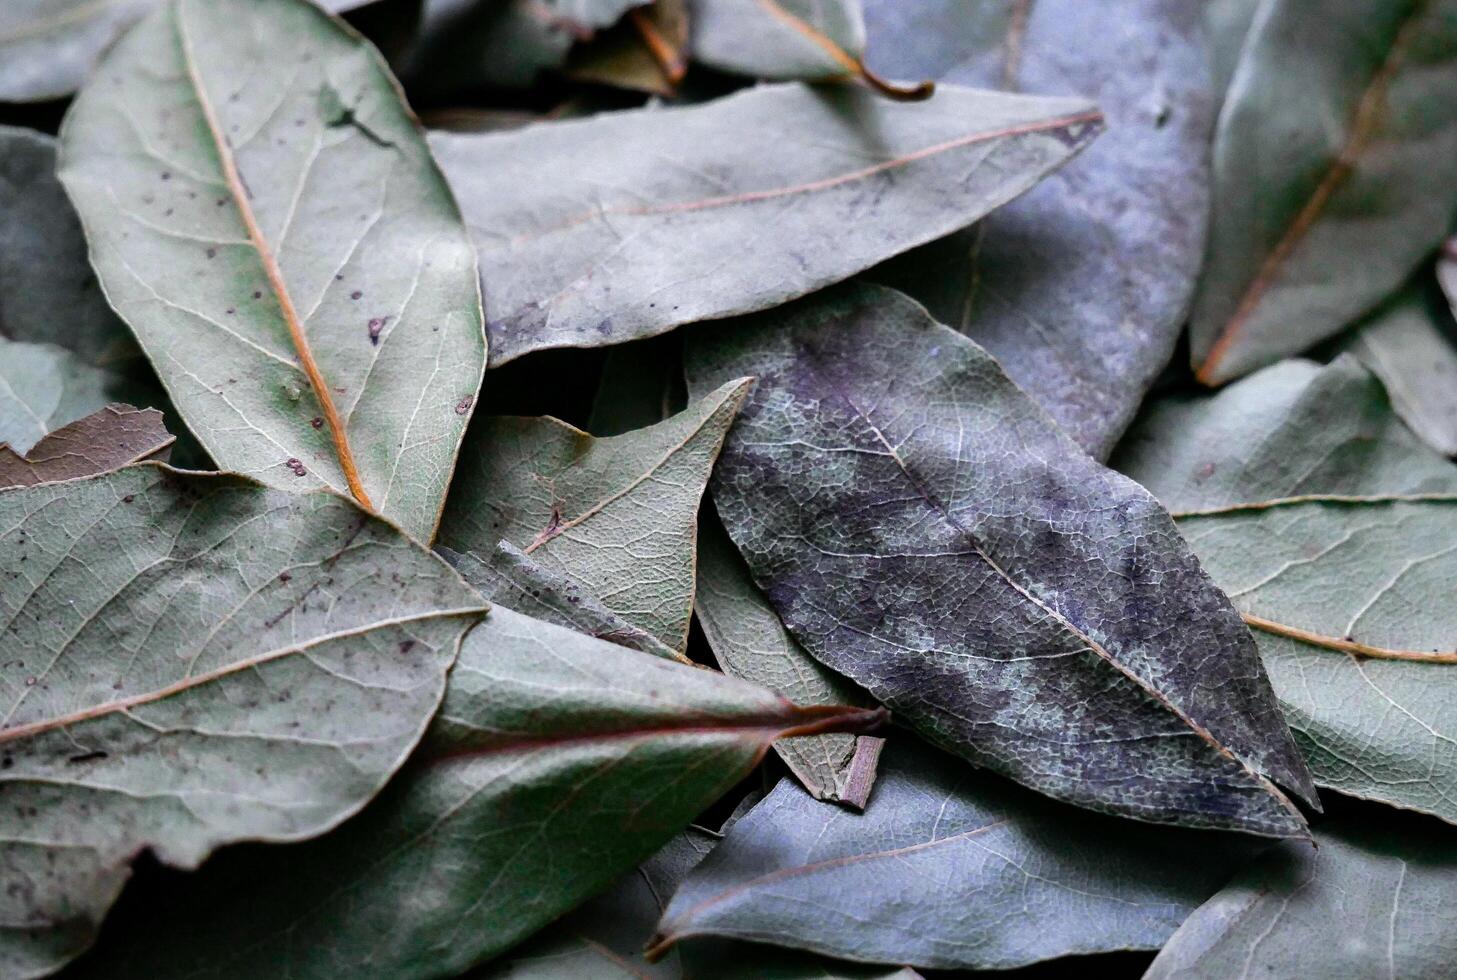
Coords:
pixel 47 47
pixel 1352 542
pixel 48 292
pixel 102 441
pixel 509 577
pixel 749 641
pixel 947 868
pixel 1330 176
pixel 924 529
pixel 1366 902
pixel 1081 287
pixel 616 516
pixel 284 248
pixel 557 763
pixel 627 224
pixel 194 660
pixel 1408 344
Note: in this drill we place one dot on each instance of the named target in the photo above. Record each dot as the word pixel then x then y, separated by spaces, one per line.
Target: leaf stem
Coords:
pixel 1345 645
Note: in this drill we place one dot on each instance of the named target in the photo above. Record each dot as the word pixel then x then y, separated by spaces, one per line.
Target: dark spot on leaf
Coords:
pixel 463 406
pixel 406 646
pixel 355 295
pixel 284 576
pixel 317 422
pixel 87 757
pixel 212 253
pixel 296 466
pixel 376 324
pixel 257 294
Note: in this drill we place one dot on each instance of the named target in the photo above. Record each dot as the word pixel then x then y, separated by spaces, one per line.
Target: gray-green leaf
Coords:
pixel 1331 181
pixel 617 516
pixel 557 763
pixel 1408 344
pixel 44 387
pixel 947 868
pixel 1367 901
pixel 923 528
pixel 194 660
pixel 284 249
pixel 733 206
pixel 1344 553
pixel 749 641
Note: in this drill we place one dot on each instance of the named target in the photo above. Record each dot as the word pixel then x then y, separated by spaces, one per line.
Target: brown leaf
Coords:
pixel 104 440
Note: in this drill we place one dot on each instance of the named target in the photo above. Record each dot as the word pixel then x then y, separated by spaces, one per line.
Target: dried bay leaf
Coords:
pixel 732 206
pixel 646 51
pixel 1081 287
pixel 193 660
pixel 102 441
pixel 557 763
pixel 1330 176
pixel 284 248
pixel 1367 901
pixel 924 529
pixel 44 387
pixel 47 47
pixel 786 40
pixel 749 641
pixel 947 868
pixel 1343 560
pixel 48 293
pixel 617 516
pixel 509 577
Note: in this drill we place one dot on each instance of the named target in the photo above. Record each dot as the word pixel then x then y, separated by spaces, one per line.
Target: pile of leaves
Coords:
pixel 1030 419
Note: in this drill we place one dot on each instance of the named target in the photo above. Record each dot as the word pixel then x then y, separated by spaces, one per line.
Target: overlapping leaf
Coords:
pixel 1345 562
pixel 284 249
pixel 193 660
pixel 557 763
pixel 102 441
pixel 617 516
pixel 44 387
pixel 647 51
pixel 732 206
pixel 1332 144
pixel 1367 901
pixel 1081 287
pixel 924 529
pixel 749 641
pixel 947 868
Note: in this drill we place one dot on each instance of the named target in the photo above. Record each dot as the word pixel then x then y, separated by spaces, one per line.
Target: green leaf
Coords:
pixel 1408 344
pixel 924 529
pixel 48 292
pixel 47 47
pixel 557 763
pixel 1364 902
pixel 617 516
pixel 509 577
pixel 1343 558
pixel 732 206
pixel 193 660
pixel 749 641
pixel 102 441
pixel 947 868
pixel 1308 239
pixel 1081 287
pixel 284 249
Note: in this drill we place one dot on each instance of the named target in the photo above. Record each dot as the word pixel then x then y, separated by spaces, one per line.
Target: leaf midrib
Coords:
pixel 238 192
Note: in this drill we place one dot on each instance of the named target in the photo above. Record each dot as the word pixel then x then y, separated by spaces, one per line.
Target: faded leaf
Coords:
pixel 1343 559
pixel 646 51
pixel 193 660
pixel 1229 25
pixel 47 47
pixel 284 249
pixel 947 868
pixel 509 577
pixel 48 292
pixel 784 40
pixel 557 763
pixel 924 529
pixel 616 516
pixel 1081 288
pixel 505 43
pixel 749 641
pixel 732 206
pixel 1331 181
pixel 43 387
pixel 1364 902
pixel 102 441
pixel 1408 344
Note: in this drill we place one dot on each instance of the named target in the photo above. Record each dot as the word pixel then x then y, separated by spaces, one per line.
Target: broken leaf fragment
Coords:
pixel 284 249
pixel 102 441
pixel 194 660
